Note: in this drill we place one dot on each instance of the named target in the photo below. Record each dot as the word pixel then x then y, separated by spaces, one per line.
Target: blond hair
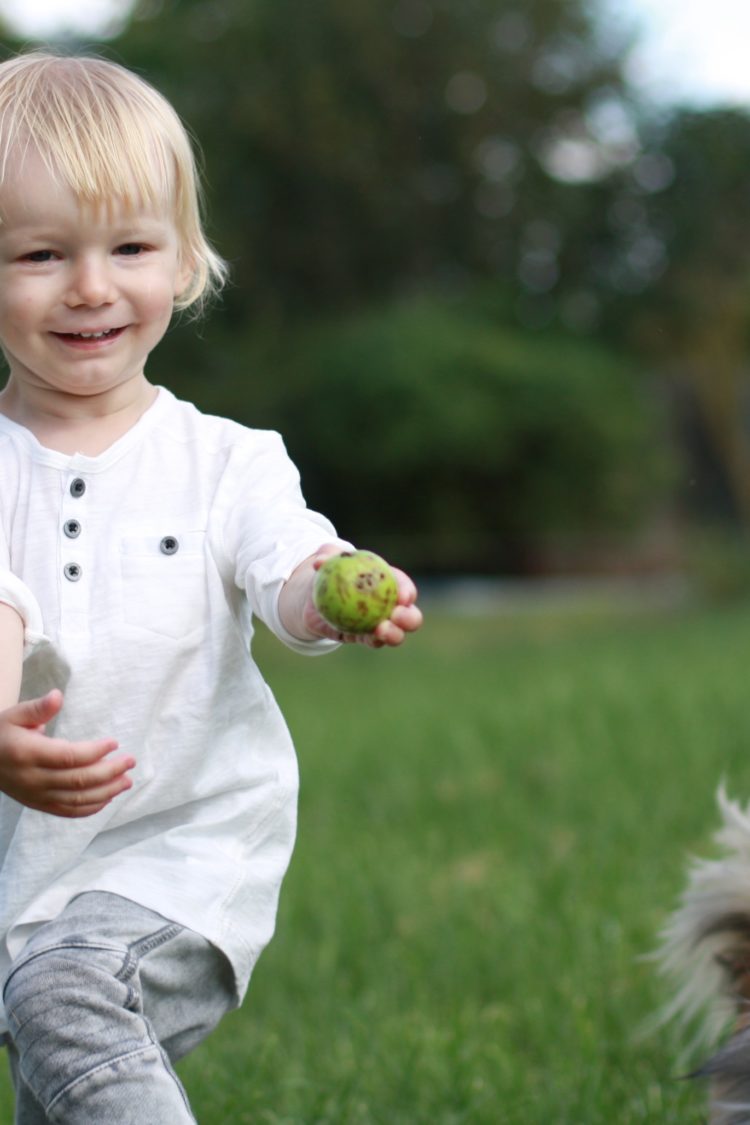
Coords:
pixel 110 136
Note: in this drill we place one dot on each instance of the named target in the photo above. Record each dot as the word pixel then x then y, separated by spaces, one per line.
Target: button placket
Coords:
pixel 74 559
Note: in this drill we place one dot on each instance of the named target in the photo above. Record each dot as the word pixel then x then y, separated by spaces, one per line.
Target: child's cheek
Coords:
pixel 22 304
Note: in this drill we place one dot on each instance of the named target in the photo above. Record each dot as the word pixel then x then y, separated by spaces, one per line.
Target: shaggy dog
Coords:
pixel 705 951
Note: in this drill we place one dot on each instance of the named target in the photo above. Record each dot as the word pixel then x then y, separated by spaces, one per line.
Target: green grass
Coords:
pixel 494 822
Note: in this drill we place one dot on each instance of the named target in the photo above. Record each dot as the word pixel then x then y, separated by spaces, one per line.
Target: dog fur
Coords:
pixel 705 954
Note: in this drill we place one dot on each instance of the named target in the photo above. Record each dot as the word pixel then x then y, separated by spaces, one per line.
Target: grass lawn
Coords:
pixel 494 822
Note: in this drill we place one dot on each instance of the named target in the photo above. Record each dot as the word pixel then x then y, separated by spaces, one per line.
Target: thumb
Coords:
pixel 33 713
pixel 327 551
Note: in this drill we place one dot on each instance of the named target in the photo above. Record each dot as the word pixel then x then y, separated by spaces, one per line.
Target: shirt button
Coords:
pixel 72 529
pixel 169 545
pixel 72 572
pixel 77 487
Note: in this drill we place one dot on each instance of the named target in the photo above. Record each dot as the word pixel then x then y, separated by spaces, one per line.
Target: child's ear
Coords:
pixel 185 273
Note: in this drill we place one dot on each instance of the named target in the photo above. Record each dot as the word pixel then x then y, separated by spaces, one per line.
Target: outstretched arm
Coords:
pixel 69 779
pixel 300 617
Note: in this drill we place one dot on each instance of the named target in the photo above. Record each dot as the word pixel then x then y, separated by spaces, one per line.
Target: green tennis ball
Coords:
pixel 355 591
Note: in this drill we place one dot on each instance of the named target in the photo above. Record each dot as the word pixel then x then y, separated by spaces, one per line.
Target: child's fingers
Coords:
pixel 404 619
pixel 80 789
pixel 76 789
pixel 75 757
pixel 393 632
pixel 390 633
pixel 76 802
pixel 33 713
pixel 408 618
pixel 76 774
pixel 407 590
pixel 70 812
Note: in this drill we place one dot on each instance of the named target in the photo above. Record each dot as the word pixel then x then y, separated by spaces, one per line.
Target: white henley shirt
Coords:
pixel 137 574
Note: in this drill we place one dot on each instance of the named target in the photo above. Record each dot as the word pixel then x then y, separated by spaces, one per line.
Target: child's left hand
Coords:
pixel 406 617
pixel 301 618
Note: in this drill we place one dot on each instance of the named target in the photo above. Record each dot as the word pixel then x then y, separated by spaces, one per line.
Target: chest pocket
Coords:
pixel 164 582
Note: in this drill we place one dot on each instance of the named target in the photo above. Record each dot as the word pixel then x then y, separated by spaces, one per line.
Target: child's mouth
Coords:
pixel 89 339
pixel 89 336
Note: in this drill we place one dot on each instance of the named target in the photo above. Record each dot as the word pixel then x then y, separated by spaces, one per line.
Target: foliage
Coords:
pixel 696 320
pixel 431 432
pixel 357 150
pixel 357 153
pixel 353 149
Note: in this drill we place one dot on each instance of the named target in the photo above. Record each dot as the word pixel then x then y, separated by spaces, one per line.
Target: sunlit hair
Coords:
pixel 111 137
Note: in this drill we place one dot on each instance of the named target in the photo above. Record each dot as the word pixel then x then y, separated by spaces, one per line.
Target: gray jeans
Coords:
pixel 100 1002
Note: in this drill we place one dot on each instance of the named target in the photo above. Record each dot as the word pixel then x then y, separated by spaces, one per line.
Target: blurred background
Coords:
pixel 489 265
pixel 491 280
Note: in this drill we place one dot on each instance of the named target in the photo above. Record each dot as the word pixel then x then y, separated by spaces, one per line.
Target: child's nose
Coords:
pixel 90 284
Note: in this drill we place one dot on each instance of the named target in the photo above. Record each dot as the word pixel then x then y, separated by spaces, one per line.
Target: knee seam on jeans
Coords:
pixel 135 953
pixel 145 945
pixel 151 1047
pixel 37 953
pixel 131 954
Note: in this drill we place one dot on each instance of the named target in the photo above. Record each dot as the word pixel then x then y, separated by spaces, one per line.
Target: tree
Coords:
pixel 439 438
pixel 357 149
pixel 694 321
pixel 357 152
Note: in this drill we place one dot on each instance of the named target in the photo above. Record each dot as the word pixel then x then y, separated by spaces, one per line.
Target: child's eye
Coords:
pixel 131 249
pixel 38 256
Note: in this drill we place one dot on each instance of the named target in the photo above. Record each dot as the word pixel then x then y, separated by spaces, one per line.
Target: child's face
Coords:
pixel 85 293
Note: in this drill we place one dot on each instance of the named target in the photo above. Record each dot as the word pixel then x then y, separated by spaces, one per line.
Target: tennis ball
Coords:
pixel 355 591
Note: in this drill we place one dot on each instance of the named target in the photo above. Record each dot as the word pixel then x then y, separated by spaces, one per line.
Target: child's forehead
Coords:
pixel 33 183
pixel 30 171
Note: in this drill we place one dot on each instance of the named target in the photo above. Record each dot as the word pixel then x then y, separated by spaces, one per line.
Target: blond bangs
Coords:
pixel 112 138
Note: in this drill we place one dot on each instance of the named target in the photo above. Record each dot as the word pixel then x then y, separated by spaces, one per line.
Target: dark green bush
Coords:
pixel 433 434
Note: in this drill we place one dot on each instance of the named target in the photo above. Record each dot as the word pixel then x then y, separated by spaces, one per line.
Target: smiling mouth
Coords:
pixel 106 334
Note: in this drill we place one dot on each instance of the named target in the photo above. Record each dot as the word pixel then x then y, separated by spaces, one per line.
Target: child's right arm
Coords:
pixel 11 655
pixel 69 779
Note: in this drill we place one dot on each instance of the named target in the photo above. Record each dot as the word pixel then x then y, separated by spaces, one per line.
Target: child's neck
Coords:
pixel 73 424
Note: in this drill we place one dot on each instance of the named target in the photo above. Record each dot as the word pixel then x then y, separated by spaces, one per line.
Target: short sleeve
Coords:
pixel 268 530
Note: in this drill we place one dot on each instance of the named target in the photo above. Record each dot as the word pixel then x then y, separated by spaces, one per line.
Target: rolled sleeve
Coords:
pixel 15 593
pixel 269 530
pixel 303 533
pixel 270 610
